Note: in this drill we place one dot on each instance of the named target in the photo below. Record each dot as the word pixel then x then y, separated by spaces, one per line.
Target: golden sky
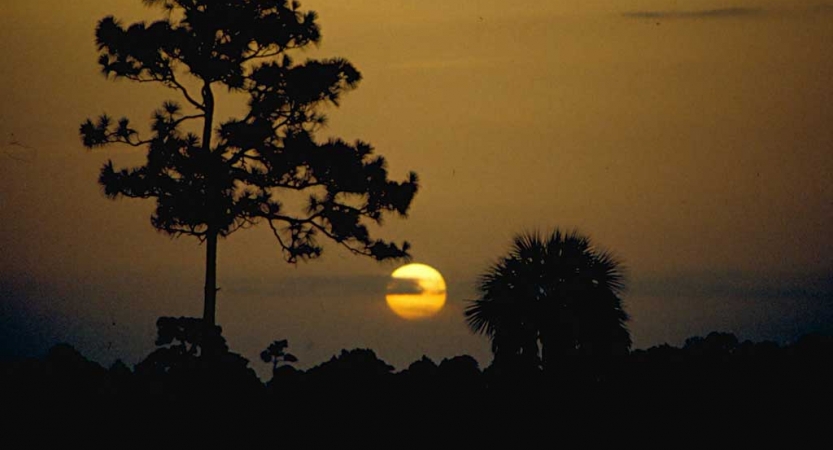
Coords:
pixel 693 138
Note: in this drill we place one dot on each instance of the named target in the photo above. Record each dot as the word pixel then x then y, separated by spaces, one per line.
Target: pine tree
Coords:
pixel 235 173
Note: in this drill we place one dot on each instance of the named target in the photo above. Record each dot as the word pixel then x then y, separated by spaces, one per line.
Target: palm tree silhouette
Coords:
pixel 551 299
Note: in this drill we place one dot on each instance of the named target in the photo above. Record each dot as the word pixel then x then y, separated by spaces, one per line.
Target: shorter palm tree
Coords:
pixel 551 298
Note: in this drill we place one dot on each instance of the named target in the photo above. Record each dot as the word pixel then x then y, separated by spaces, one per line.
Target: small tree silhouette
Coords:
pixel 550 299
pixel 192 360
pixel 235 175
pixel 275 354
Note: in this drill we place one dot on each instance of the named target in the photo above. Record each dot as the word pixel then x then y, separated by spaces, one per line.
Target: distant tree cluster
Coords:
pixel 715 368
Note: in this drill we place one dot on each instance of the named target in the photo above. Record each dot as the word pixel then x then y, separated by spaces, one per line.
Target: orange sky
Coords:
pixel 692 138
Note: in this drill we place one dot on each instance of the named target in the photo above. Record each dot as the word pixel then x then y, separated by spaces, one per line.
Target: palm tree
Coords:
pixel 549 299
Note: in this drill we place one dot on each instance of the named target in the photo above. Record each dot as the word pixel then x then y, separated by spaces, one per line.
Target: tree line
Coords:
pixel 181 371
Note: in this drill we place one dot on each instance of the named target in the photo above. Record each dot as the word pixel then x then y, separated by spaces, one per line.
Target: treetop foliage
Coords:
pixel 550 297
pixel 240 178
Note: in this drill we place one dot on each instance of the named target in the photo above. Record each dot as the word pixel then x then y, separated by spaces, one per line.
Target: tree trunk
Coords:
pixel 209 312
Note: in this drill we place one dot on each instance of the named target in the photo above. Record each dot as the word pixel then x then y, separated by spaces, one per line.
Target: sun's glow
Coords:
pixel 416 291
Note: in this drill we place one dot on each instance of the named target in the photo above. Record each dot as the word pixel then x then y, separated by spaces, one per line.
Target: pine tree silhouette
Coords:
pixel 236 173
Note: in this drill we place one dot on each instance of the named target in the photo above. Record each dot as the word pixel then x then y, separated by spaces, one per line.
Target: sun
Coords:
pixel 416 291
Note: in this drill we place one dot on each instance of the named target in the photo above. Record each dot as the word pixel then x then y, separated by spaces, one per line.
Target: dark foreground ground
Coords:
pixel 711 383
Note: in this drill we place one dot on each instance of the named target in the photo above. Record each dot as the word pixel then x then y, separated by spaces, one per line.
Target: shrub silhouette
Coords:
pixel 194 363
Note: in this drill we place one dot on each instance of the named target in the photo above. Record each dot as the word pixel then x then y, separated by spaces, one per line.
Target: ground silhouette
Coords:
pixel 179 380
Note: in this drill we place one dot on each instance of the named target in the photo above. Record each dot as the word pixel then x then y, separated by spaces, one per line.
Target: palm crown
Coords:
pixel 551 297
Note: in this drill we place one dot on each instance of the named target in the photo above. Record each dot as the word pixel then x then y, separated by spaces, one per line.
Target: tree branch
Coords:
pixel 240 155
pixel 277 235
pixel 114 138
pixel 171 82
pixel 246 176
pixel 311 221
pixel 184 118
pixel 177 85
pixel 343 242
pixel 263 52
pixel 259 55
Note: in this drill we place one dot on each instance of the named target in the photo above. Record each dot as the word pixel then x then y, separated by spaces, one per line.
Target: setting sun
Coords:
pixel 416 291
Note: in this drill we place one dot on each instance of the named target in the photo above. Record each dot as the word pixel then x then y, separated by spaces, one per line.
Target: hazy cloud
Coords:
pixel 441 64
pixel 817 287
pixel 695 14
pixel 820 9
pixel 321 286
pixel 405 286
pixel 782 308
pixel 730 12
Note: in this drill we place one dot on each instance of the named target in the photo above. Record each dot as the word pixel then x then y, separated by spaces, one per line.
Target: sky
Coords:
pixel 692 138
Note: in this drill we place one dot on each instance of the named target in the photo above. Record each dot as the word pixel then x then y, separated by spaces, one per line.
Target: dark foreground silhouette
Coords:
pixel 193 372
